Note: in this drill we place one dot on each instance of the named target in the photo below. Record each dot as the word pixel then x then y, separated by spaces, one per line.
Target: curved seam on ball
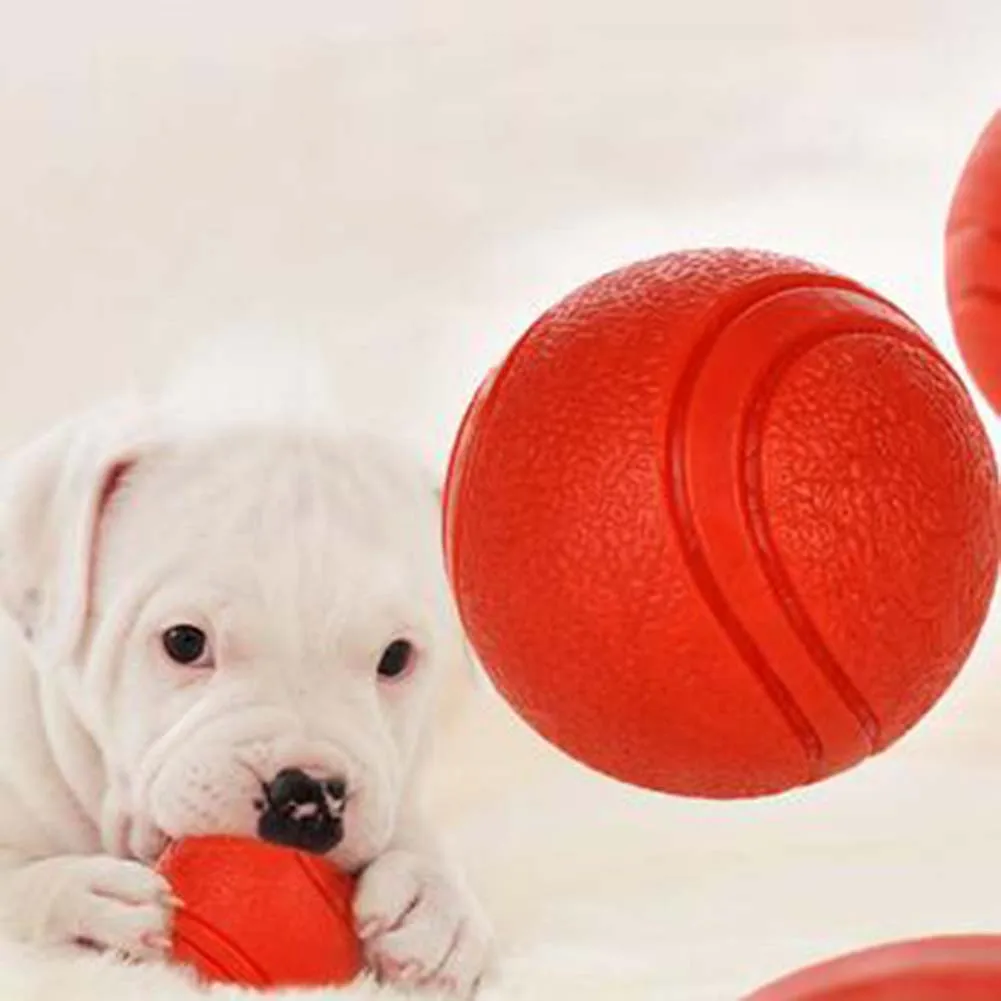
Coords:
pixel 216 968
pixel 336 905
pixel 679 504
pixel 227 942
pixel 762 538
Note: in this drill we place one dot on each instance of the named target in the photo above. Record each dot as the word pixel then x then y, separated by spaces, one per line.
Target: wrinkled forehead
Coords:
pixel 302 519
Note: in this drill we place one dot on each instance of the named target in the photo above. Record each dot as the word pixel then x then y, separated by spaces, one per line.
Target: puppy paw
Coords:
pixel 419 926
pixel 97 901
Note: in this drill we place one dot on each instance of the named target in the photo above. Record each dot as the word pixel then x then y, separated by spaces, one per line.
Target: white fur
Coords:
pixel 301 551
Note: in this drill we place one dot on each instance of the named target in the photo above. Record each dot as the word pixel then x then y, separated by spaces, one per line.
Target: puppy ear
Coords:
pixel 53 494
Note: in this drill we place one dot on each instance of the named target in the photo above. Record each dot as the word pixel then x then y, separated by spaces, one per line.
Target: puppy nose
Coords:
pixel 292 785
pixel 302 812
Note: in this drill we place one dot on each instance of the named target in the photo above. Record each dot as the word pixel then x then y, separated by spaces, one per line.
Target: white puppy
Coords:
pixel 238 630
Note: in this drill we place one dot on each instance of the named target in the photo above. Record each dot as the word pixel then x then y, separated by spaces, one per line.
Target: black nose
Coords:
pixel 302 812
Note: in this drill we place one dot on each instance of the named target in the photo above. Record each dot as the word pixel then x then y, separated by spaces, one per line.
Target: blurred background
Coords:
pixel 407 183
pixel 404 185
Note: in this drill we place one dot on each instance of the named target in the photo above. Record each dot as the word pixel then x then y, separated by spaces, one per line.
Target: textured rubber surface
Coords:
pixel 722 523
pixel 259 915
pixel 973 262
pixel 958 968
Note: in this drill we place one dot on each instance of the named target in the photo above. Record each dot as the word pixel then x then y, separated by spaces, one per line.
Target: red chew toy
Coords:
pixel 722 523
pixel 973 263
pixel 960 968
pixel 259 915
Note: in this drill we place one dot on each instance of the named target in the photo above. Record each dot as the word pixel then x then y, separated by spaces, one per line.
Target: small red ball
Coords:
pixel 722 523
pixel 951 968
pixel 973 263
pixel 260 915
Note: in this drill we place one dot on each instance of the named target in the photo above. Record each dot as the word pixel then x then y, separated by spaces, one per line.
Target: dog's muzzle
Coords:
pixel 302 812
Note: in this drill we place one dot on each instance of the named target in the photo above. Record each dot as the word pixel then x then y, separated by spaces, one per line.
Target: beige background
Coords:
pixel 408 182
pixel 405 185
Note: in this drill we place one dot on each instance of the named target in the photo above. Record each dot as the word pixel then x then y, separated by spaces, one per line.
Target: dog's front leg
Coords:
pixel 420 923
pixel 95 900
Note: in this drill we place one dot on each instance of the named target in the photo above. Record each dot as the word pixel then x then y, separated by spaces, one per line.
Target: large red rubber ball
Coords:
pixel 973 263
pixel 260 915
pixel 956 968
pixel 722 523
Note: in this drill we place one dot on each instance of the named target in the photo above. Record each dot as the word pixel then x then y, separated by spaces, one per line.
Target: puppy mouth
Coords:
pixel 322 810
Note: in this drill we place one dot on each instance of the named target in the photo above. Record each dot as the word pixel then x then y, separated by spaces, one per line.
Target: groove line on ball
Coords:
pixel 336 906
pixel 208 963
pixel 762 539
pixel 682 514
pixel 228 945
pixel 755 513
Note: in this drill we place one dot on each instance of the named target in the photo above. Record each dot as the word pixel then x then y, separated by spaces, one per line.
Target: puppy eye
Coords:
pixel 188 645
pixel 396 659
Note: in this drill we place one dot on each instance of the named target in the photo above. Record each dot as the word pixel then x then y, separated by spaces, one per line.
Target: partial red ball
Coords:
pixel 973 263
pixel 723 523
pixel 951 968
pixel 260 915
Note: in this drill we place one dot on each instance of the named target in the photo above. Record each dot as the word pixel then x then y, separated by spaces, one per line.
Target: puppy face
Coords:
pixel 257 605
